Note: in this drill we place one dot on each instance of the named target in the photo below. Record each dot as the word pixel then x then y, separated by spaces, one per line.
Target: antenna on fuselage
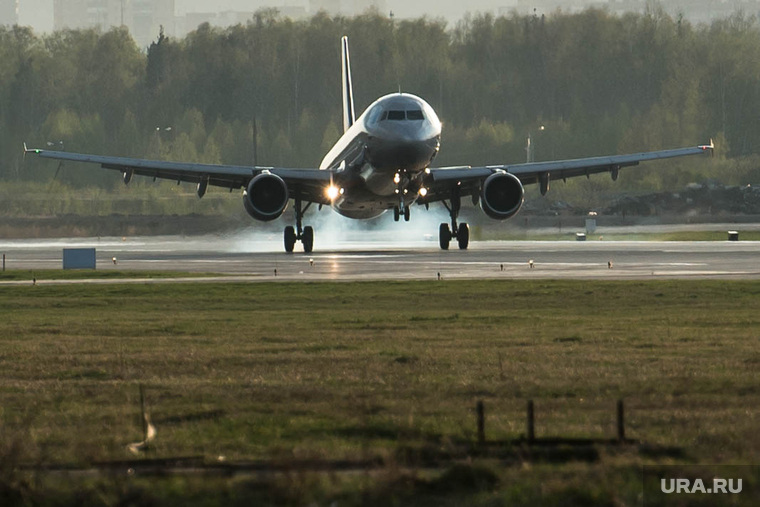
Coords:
pixel 349 116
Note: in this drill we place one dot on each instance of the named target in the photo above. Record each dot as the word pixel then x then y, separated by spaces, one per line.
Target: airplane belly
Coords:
pixel 361 201
pixel 365 214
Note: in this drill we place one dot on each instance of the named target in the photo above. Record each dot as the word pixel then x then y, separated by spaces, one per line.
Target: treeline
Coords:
pixel 582 84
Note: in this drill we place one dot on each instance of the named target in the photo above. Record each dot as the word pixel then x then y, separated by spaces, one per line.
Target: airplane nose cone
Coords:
pixel 404 152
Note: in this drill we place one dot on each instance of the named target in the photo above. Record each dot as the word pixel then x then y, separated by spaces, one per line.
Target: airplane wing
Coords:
pixel 307 184
pixel 442 181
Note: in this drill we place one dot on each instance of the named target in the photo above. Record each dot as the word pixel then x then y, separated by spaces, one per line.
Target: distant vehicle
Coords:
pixel 382 162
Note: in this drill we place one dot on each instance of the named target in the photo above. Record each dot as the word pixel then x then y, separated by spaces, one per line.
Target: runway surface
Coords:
pixel 243 257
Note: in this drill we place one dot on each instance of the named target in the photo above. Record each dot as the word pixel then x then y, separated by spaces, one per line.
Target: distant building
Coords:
pixel 102 14
pixel 149 17
pixel 8 12
pixel 143 18
pixel 694 11
pixel 191 20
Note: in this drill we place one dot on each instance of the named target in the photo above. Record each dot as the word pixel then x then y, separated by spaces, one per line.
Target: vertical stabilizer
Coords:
pixel 349 116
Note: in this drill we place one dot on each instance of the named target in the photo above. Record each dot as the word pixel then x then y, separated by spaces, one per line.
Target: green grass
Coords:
pixel 351 370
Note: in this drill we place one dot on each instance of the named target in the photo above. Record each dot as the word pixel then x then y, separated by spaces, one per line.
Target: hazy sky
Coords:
pixel 402 8
pixel 39 13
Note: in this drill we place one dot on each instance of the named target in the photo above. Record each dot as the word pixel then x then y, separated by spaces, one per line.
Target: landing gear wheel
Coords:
pixel 444 236
pixel 406 214
pixel 396 214
pixel 463 236
pixel 290 239
pixel 308 239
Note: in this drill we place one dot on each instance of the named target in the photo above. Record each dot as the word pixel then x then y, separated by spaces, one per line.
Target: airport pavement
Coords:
pixel 239 258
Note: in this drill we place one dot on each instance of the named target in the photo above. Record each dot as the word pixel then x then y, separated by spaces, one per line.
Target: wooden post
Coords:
pixel 531 426
pixel 481 423
pixel 142 414
pixel 620 421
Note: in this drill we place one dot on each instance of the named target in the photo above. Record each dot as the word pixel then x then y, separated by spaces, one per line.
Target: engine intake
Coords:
pixel 501 196
pixel 266 197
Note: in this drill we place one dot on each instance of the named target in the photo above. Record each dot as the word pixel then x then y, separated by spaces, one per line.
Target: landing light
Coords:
pixel 423 191
pixel 333 192
pixel 397 178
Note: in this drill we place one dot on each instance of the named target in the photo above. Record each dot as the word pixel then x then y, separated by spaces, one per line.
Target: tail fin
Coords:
pixel 349 116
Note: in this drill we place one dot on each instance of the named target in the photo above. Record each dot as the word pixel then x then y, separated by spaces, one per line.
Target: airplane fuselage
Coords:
pixel 381 159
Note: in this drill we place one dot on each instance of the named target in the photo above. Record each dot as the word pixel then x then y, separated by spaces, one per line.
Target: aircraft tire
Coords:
pixel 463 236
pixel 308 239
pixel 290 239
pixel 444 236
pixel 396 214
pixel 406 214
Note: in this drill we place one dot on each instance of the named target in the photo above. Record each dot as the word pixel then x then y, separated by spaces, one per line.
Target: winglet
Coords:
pixel 349 116
pixel 27 150
pixel 30 150
pixel 709 147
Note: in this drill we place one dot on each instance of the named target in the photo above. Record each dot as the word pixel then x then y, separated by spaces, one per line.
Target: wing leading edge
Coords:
pixel 467 178
pixel 307 184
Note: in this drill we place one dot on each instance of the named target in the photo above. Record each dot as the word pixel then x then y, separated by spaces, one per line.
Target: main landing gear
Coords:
pixel 460 232
pixel 303 234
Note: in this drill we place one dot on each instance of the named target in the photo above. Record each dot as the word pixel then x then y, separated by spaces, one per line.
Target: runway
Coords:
pixel 240 257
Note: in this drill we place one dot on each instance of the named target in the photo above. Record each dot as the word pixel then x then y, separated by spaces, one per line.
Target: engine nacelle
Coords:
pixel 501 196
pixel 266 197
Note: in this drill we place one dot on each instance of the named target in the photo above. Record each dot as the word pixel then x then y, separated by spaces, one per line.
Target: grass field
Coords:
pixel 374 370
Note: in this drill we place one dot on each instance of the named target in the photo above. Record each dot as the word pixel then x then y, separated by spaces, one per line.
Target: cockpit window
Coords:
pixel 398 115
pixel 375 114
pixel 414 114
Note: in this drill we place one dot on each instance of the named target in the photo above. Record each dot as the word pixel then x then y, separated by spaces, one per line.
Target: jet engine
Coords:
pixel 266 197
pixel 501 196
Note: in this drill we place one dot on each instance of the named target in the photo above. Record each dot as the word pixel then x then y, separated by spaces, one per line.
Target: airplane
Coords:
pixel 381 162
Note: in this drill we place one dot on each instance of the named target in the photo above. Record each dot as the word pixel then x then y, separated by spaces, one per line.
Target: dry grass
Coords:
pixel 346 370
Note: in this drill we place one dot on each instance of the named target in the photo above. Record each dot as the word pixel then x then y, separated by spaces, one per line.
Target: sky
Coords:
pixel 401 8
pixel 39 13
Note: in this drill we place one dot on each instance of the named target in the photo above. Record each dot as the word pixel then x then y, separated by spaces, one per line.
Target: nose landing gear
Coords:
pixel 400 210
